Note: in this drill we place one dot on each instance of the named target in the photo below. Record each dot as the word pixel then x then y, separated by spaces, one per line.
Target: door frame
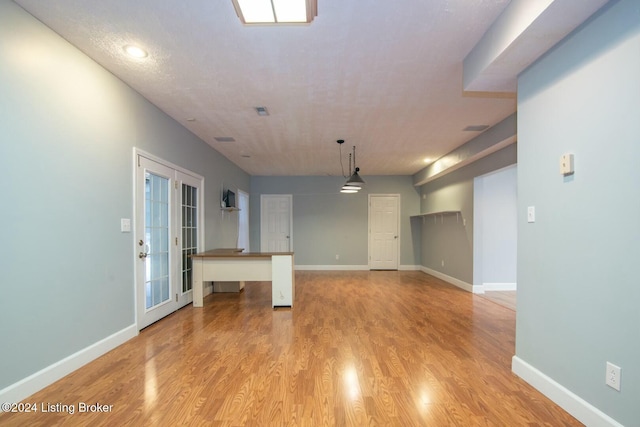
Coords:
pixel 398 198
pixel 263 199
pixel 174 213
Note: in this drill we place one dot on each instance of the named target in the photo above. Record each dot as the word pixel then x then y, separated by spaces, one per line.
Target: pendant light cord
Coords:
pixel 340 142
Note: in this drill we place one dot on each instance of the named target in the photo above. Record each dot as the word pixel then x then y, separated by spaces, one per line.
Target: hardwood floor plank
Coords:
pixel 360 348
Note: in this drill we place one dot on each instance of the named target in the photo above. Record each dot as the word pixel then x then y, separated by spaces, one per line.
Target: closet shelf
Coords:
pixel 440 214
pixel 436 213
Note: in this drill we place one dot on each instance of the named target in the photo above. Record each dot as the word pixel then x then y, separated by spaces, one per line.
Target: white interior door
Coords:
pixel 155 218
pixel 276 223
pixel 384 232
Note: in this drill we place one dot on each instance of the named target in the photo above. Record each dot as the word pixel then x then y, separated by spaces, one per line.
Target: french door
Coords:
pixel 189 241
pixel 168 230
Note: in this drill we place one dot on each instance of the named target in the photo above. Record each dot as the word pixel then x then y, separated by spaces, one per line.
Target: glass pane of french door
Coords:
pixel 157 205
pixel 189 232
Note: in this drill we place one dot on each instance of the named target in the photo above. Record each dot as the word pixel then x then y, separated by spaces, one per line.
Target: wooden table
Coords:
pixel 227 265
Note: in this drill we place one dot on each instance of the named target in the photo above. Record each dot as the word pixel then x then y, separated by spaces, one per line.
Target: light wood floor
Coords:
pixel 359 349
pixel 504 298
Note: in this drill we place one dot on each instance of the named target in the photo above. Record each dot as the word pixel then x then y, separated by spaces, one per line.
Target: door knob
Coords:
pixel 147 249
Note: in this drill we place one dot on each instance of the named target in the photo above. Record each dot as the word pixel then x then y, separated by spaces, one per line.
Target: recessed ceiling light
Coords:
pixel 135 51
pixel 427 160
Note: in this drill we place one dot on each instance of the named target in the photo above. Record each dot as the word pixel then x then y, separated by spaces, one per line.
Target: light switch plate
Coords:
pixel 531 214
pixel 125 225
pixel 566 164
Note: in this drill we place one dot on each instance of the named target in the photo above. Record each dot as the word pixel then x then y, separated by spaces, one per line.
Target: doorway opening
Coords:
pixel 495 236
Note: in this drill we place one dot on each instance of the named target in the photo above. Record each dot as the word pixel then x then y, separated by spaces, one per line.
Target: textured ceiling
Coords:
pixel 384 76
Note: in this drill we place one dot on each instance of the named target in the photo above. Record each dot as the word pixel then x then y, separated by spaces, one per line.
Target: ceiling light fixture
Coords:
pixel 262 111
pixel 354 182
pixel 135 51
pixel 276 11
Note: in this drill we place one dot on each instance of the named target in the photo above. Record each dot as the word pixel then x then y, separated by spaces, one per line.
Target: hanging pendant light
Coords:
pixel 355 179
pixel 354 182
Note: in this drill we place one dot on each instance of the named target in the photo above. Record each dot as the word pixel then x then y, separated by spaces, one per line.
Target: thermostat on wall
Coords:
pixel 566 164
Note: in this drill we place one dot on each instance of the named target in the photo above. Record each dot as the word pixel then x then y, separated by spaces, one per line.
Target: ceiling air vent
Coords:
pixel 476 128
pixel 225 139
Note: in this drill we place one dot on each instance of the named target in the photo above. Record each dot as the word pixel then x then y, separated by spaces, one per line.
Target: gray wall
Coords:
pixel 326 222
pixel 67 132
pixel 578 289
pixel 496 228
pixel 448 239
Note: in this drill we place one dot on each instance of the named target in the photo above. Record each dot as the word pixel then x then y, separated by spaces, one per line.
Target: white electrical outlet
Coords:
pixel 337 257
pixel 125 225
pixel 613 376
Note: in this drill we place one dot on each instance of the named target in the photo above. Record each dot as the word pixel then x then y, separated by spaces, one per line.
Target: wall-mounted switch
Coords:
pixel 531 214
pixel 566 164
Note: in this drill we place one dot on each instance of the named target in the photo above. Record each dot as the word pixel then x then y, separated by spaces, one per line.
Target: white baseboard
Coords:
pixel 331 267
pixel 582 410
pixel 488 287
pixel 350 267
pixel 52 373
pixel 456 282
